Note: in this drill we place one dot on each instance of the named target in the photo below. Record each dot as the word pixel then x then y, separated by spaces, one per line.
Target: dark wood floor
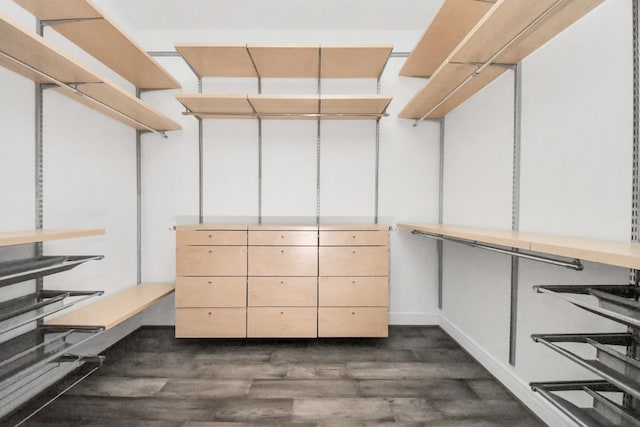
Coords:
pixel 418 376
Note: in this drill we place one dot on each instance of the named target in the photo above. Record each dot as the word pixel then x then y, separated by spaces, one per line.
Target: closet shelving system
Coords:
pixel 28 347
pixel 462 55
pixel 286 61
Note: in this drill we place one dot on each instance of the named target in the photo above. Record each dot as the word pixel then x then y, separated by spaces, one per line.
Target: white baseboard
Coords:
pixel 506 375
pixel 414 318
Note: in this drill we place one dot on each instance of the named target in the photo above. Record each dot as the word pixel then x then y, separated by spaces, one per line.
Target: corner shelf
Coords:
pixel 621 254
pixel 294 61
pixel 603 413
pixel 85 25
pixel 310 107
pixel 34 57
pixel 508 32
pixel 9 238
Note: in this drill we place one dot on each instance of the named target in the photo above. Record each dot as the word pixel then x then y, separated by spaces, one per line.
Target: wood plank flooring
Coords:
pixel 417 377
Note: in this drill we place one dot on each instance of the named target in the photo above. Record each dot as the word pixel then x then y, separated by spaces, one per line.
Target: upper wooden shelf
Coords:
pixel 296 61
pixel 34 57
pixel 506 34
pixel 85 25
pixel 33 236
pixel 451 24
pixel 621 254
pixel 310 107
pixel 111 310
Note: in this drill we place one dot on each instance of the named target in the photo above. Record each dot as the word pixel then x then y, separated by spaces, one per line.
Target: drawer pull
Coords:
pixel 210 251
pixel 354 236
pixel 353 312
pixel 209 282
pixel 282 312
pixel 209 313
pixel 353 252
pixel 282 282
pixel 211 235
pixel 352 282
pixel 282 236
pixel 282 251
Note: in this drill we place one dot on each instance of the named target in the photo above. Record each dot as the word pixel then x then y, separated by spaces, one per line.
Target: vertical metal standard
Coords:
pixel 39 164
pixel 259 154
pixel 139 200
pixel 377 181
pixel 515 209
pixel 200 164
pixel 440 243
pixel 318 147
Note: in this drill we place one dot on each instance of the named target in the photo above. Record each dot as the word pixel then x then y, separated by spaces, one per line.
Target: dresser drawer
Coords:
pixel 211 261
pixel 353 322
pixel 211 322
pixel 211 291
pixel 354 238
pixel 353 291
pixel 282 322
pixel 283 291
pixel 282 238
pixel 354 261
pixel 211 237
pixel 283 261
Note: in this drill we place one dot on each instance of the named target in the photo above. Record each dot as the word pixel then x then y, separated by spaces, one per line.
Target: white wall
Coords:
pixel 575 180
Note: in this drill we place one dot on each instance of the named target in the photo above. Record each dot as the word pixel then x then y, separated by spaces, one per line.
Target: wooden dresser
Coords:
pixel 281 281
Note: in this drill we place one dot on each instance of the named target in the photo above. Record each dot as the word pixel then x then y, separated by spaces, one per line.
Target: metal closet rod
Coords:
pixel 490 61
pixel 258 115
pixel 575 264
pixel 74 87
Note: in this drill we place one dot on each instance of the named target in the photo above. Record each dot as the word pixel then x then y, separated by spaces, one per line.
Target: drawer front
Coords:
pixel 211 323
pixel 283 238
pixel 353 291
pixel 354 238
pixel 354 261
pixel 211 291
pixel 211 261
pixel 211 237
pixel 283 291
pixel 353 322
pixel 283 261
pixel 282 322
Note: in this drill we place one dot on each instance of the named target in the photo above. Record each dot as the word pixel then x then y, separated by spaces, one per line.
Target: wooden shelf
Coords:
pixel 32 236
pixel 310 107
pixel 110 311
pixel 99 36
pixel 294 61
pixel 621 254
pixel 31 52
pixel 451 24
pixel 504 22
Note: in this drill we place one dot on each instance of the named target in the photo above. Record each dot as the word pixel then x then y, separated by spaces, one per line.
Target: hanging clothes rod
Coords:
pixel 275 115
pixel 74 87
pixel 480 67
pixel 575 264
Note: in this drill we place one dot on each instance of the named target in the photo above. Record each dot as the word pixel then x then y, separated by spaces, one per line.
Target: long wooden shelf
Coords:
pixel 111 310
pixel 311 107
pixel 35 58
pixel 295 61
pixel 92 31
pixel 9 238
pixel 621 254
pixel 506 34
pixel 451 24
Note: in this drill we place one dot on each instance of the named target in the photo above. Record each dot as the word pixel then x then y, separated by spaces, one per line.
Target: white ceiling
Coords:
pixel 381 15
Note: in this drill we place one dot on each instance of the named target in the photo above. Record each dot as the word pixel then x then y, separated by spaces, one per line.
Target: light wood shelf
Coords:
pixel 345 107
pixel 503 23
pixel 99 36
pixel 451 24
pixel 33 236
pixel 31 52
pixel 621 254
pixel 293 61
pixel 109 311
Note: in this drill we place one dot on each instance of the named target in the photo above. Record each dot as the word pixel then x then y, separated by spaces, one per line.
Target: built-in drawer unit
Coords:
pixel 353 286
pixel 211 282
pixel 282 281
pixel 282 322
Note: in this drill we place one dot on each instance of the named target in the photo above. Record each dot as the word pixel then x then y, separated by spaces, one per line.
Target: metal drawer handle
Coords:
pixel 354 236
pixel 282 251
pixel 210 235
pixel 353 252
pixel 282 282
pixel 353 282
pixel 282 312
pixel 209 313
pixel 209 282
pixel 353 312
pixel 282 236
pixel 210 251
